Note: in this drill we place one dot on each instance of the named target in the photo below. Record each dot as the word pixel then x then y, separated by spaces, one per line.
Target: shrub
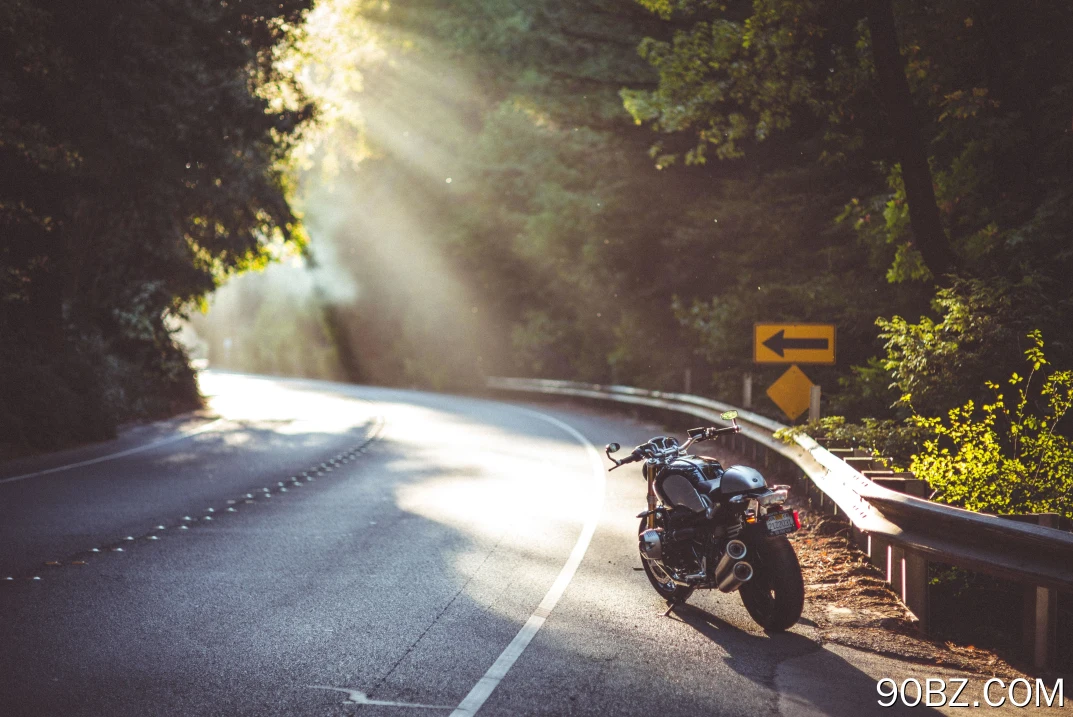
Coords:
pixel 1001 458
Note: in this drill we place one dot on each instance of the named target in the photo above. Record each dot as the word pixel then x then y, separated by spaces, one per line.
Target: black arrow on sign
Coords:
pixel 779 343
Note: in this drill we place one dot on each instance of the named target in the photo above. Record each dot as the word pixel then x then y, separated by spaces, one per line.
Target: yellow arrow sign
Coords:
pixel 794 343
pixel 791 392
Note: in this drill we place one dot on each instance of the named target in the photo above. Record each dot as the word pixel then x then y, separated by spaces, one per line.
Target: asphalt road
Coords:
pixel 322 549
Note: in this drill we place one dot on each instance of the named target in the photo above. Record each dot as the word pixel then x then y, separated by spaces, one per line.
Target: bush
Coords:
pixel 1001 458
pixel 81 393
pixel 932 364
pixel 893 442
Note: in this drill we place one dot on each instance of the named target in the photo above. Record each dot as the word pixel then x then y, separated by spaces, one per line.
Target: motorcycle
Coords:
pixel 710 528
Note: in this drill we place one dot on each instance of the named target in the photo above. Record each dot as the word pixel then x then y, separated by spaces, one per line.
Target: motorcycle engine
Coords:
pixel 681 552
pixel 676 552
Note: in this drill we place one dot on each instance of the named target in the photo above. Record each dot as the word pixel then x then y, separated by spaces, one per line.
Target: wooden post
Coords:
pixel 688 380
pixel 747 391
pixel 814 403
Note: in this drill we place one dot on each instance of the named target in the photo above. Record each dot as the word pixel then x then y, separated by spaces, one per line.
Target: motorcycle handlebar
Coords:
pixel 713 432
pixel 638 454
pixel 632 458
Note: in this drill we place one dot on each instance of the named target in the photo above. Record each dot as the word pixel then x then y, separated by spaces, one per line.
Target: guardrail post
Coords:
pixel 860 539
pixel 1040 624
pixel 895 559
pixel 877 551
pixel 915 586
pixel 1040 634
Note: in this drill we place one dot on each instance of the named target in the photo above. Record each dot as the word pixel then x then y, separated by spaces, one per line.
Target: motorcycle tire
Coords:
pixel 775 596
pixel 668 590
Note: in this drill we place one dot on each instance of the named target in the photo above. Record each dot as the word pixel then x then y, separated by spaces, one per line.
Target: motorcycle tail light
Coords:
pixel 774 497
pixel 797 521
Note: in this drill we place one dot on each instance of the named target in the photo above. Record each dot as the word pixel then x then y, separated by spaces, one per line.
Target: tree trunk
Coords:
pixel 349 361
pixel 928 235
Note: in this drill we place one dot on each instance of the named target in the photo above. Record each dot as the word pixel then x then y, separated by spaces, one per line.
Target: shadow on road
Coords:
pixel 843 689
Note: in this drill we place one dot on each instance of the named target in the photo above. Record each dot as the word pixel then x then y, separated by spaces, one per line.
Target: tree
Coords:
pixel 909 149
pixel 144 150
pixel 742 73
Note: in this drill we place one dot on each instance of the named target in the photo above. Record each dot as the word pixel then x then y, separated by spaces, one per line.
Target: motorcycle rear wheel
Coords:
pixel 775 596
pixel 661 581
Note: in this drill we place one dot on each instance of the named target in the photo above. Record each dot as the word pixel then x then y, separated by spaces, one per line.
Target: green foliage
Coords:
pixel 790 81
pixel 144 150
pixel 734 78
pixel 1005 456
pixel 558 249
pixel 893 442
pixel 79 394
pixel 907 265
pixel 932 364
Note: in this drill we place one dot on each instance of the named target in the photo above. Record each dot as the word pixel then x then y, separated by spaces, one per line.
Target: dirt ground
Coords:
pixel 851 604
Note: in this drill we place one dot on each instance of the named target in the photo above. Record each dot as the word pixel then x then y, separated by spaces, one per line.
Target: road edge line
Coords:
pixel 480 692
pixel 119 454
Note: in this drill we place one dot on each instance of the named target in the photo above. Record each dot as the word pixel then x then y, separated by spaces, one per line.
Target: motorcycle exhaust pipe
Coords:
pixel 735 551
pixel 740 573
pixel 650 544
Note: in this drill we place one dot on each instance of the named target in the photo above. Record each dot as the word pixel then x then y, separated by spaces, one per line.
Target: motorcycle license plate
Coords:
pixel 779 523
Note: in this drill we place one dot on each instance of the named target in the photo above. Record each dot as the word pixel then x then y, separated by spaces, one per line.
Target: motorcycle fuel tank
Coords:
pixel 677 483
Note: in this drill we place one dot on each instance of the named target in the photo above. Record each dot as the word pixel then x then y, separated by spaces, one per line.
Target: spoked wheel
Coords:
pixel 659 578
pixel 775 596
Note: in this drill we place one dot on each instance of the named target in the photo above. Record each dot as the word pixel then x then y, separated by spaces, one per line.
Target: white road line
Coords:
pixel 495 674
pixel 357 697
pixel 119 454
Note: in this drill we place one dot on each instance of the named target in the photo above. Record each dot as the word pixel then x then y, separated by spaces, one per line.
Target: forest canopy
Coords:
pixel 617 190
pixel 608 190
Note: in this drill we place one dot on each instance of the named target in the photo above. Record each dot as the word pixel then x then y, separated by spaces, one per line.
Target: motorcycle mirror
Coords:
pixel 729 415
pixel 612 448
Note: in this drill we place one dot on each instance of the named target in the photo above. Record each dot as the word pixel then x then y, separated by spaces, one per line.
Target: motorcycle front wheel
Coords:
pixel 775 596
pixel 659 578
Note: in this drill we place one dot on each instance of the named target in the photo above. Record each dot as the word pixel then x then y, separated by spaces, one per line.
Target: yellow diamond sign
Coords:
pixel 791 392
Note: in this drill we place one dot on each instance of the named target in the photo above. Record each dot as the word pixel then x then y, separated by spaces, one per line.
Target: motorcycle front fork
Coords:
pixel 650 476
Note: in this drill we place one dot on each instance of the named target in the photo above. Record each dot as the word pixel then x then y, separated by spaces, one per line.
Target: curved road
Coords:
pixel 324 549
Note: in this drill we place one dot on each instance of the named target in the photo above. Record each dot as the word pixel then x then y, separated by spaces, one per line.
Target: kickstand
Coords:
pixel 671 606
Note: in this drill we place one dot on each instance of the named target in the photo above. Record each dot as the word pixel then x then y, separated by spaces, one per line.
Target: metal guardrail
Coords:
pixel 901 533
